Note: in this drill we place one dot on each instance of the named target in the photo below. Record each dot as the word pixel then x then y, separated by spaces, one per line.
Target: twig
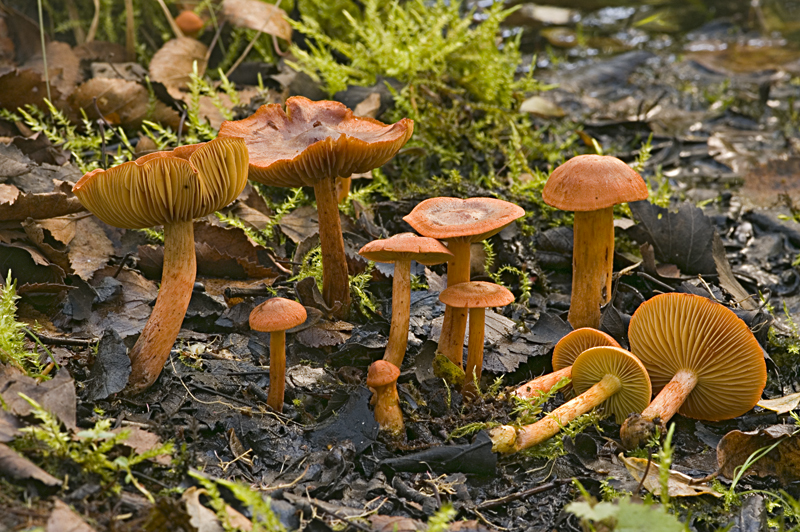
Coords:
pixel 172 24
pixel 232 292
pixel 122 264
pixel 494 503
pixel 253 43
pixel 54 340
pixel 130 31
pixel 75 20
pixel 44 51
pixel 95 22
pixel 646 469
pixel 212 391
pixel 214 40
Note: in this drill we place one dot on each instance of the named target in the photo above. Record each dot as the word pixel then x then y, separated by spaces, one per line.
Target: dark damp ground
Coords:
pixel 713 82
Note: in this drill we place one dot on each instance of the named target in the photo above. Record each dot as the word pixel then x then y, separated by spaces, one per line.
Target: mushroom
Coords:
pixel 460 222
pixel 475 296
pixel 275 316
pixel 604 375
pixel 591 185
pixel 190 23
pixel 169 189
pixel 564 354
pixel 382 379
pixel 401 250
pixel 311 144
pixel 703 360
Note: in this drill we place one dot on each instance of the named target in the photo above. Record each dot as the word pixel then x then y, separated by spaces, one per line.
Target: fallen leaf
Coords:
pixel 28 265
pixel 259 16
pixel 174 62
pixel 124 103
pixel 18 205
pixel 111 368
pixel 40 150
pixel 740 58
pixel 541 107
pixel 100 52
pixel 678 485
pixel 127 313
pixel 300 223
pixel 90 250
pixel 200 517
pixel 63 66
pixel 781 405
pixel 57 395
pixel 143 441
pixel 9 426
pixel 18 467
pixel 395 523
pixel 369 106
pixel 21 87
pixel 64 519
pixel 782 462
pixel 325 334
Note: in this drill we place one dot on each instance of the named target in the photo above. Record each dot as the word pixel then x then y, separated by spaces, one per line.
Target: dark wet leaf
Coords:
pixel 354 422
pixel 782 462
pixel 8 426
pixel 17 467
pixel 128 313
pixel 40 150
pixel 64 519
pixel 111 369
pixel 325 334
pixel 21 87
pixel 29 266
pixel 726 278
pixel 472 458
pixel 57 395
pixel 18 205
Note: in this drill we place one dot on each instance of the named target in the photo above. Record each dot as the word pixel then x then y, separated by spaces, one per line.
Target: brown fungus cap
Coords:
pixel 595 363
pixel 673 332
pixel 573 344
pixel 473 219
pixel 407 246
pixel 277 314
pixel 593 182
pixel 476 294
pixel 382 373
pixel 165 187
pixel 311 141
pixel 189 22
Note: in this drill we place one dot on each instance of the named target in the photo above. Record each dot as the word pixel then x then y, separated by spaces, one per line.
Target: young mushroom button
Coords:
pixel 276 316
pixel 311 144
pixel 169 189
pixel 401 250
pixel 460 222
pixel 475 296
pixel 703 361
pixel 591 185
pixel 382 378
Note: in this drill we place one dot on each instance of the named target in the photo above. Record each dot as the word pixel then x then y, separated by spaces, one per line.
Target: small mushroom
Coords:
pixel 608 376
pixel 382 379
pixel 460 222
pixel 564 354
pixel 401 250
pixel 475 296
pixel 276 316
pixel 703 360
pixel 311 144
pixel 591 185
pixel 190 23
pixel 169 189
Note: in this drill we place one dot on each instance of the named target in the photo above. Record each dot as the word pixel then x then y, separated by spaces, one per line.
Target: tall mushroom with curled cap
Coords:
pixel 564 354
pixel 311 144
pixel 607 376
pixel 169 189
pixel 401 250
pixel 460 222
pixel 703 360
pixel 591 185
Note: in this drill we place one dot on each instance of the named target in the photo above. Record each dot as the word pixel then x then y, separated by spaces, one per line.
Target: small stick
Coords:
pixel 122 264
pixel 216 392
pixel 232 292
pixel 646 469
pixel 494 503
pixel 95 22
pixel 54 340
pixel 172 24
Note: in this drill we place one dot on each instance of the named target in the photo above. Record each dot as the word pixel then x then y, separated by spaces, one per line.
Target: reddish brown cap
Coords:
pixel 568 348
pixel 313 141
pixel 472 219
pixel 382 373
pixel 595 363
pixel 406 246
pixel 277 314
pixel 673 332
pixel 189 22
pixel 165 187
pixel 476 294
pixel 593 182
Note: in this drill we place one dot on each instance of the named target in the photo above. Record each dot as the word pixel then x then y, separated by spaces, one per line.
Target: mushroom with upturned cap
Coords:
pixel 608 376
pixel 169 189
pixel 591 185
pixel 382 379
pixel 276 316
pixel 564 354
pixel 703 360
pixel 460 222
pixel 401 250
pixel 311 144
pixel 475 296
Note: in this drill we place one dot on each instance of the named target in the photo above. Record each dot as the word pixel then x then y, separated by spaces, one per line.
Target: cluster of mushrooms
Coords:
pixel 688 349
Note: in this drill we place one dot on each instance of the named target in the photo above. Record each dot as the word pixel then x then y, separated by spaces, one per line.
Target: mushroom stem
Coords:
pixel 387 409
pixel 543 384
pixel 152 348
pixel 549 426
pixel 592 266
pixel 401 309
pixel 669 400
pixel 335 282
pixel 277 370
pixel 343 188
pixel 477 326
pixel 454 326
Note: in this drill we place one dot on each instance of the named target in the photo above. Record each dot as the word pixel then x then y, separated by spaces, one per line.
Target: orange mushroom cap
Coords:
pixel 406 246
pixel 593 182
pixel 476 294
pixel 313 141
pixel 473 219
pixel 277 314
pixel 674 332
pixel 382 373
pixel 576 342
pixel 189 22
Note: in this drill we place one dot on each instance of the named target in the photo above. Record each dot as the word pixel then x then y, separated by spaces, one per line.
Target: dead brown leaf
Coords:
pixel 300 224
pixel 746 59
pixel 18 205
pixel 258 16
pixel 124 103
pixel 325 334
pixel 679 485
pixel 57 395
pixel 369 106
pixel 63 66
pixel 130 311
pixel 200 517
pixel 172 65
pixel 781 405
pixel 143 441
pixel 20 468
pixel 395 523
pixel 64 519
pixel 90 249
pixel 29 265
pixel 782 462
pixel 20 87
pixel 9 426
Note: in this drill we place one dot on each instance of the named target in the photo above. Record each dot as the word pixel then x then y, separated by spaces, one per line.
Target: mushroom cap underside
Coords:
pixel 576 342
